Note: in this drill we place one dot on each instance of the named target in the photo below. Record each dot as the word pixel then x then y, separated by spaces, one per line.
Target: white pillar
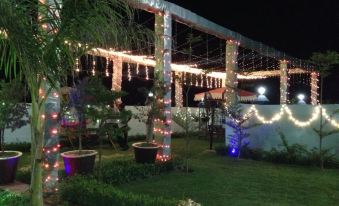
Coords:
pixel 163 46
pixel 283 82
pixel 231 82
pixel 314 88
pixel 117 74
pixel 178 90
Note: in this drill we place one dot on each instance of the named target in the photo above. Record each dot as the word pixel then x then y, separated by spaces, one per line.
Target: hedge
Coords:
pixel 84 191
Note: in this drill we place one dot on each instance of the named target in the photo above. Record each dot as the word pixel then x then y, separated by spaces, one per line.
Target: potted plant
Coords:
pixel 146 151
pixel 13 115
pixel 78 161
pixel 92 103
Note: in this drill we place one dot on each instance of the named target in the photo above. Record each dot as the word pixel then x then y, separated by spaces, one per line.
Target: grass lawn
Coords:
pixel 218 181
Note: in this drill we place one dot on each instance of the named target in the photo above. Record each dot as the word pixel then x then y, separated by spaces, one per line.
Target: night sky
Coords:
pixel 297 27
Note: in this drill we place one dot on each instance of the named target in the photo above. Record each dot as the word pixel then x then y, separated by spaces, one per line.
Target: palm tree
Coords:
pixel 45 37
pixel 323 62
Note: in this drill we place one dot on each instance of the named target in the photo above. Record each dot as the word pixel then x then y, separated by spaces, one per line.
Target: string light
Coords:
pixel 107 64
pixel 285 110
pixel 129 76
pixel 77 67
pixel 93 66
pixel 147 72
pixel 137 69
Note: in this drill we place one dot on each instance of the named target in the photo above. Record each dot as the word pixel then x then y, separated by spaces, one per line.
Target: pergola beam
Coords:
pixel 189 18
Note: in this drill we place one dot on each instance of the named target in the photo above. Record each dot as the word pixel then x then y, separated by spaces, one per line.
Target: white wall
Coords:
pixel 264 136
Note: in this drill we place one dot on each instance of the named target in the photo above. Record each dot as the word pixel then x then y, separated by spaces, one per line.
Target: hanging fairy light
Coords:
pixel 147 72
pixel 184 78
pixel 93 66
pixel 137 70
pixel 196 81
pixel 77 68
pixel 107 64
pixel 129 76
pixel 201 80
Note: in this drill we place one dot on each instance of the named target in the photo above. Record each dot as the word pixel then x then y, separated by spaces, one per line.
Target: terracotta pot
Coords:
pixel 79 161
pixel 145 152
pixel 8 166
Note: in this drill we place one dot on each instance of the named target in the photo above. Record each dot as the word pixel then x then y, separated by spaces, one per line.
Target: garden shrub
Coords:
pixel 20 146
pixel 124 171
pixel 293 154
pixel 221 150
pixel 84 191
pixel 12 199
pixel 24 176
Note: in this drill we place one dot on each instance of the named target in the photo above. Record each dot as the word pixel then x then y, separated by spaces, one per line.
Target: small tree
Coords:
pixel 323 62
pixel 237 121
pixel 322 134
pixel 185 119
pixel 100 109
pixel 13 114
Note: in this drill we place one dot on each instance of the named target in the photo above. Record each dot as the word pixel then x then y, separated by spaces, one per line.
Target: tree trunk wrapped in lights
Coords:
pixel 231 82
pixel 162 83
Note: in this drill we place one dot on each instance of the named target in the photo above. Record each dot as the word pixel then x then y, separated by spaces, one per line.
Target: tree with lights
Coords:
pixel 323 62
pixel 44 38
pixel 239 123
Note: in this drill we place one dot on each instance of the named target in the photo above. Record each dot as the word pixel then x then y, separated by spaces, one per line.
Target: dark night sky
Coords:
pixel 297 27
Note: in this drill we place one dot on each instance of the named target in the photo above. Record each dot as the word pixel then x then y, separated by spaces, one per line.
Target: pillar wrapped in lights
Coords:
pixel 179 102
pixel 314 88
pixel 283 81
pixel 162 83
pixel 51 142
pixel 117 74
pixel 231 82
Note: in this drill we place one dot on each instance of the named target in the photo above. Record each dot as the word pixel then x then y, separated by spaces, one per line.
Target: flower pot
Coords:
pixel 8 166
pixel 145 152
pixel 79 161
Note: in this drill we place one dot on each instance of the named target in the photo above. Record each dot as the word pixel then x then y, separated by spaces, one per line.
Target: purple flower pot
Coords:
pixel 8 166
pixel 145 152
pixel 79 162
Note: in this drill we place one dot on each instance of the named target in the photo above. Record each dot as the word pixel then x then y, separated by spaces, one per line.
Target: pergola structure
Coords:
pixel 165 13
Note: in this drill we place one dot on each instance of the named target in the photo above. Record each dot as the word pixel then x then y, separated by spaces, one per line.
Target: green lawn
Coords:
pixel 218 181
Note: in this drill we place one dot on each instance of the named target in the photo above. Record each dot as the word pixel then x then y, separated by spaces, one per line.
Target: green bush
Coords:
pixel 12 199
pixel 124 171
pixel 290 154
pixel 24 175
pixel 21 146
pixel 89 192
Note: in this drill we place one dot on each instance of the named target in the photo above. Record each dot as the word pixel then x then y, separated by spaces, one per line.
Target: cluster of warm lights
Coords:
pixel 284 109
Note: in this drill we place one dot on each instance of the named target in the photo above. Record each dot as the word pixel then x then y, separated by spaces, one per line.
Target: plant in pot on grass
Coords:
pixel 73 121
pixel 146 152
pixel 111 121
pixel 13 115
pixel 92 102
